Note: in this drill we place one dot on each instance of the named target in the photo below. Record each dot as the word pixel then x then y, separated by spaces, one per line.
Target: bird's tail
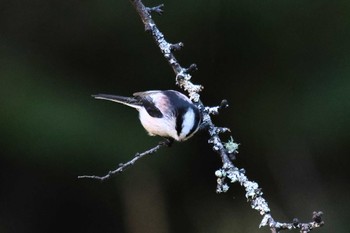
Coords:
pixel 129 101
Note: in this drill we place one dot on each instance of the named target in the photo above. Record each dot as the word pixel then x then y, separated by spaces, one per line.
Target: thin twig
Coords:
pixel 157 9
pixel 124 166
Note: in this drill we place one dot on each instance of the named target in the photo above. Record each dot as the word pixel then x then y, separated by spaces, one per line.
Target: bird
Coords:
pixel 165 113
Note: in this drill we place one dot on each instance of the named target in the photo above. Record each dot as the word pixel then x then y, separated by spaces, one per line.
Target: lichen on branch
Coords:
pixel 228 173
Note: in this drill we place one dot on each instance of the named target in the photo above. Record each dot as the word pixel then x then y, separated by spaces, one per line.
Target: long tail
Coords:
pixel 129 101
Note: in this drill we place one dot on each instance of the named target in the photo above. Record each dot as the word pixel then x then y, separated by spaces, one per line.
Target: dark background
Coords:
pixel 282 65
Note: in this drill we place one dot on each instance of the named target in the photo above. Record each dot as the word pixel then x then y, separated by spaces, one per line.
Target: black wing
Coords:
pixel 150 107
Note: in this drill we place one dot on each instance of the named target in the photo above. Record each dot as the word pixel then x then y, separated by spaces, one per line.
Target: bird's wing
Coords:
pixel 148 104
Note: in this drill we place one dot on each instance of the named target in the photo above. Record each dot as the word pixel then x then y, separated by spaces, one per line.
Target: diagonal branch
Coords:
pixel 227 150
pixel 182 74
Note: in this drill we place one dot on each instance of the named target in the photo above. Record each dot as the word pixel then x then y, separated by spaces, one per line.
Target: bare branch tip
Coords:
pixel 317 217
pixel 157 9
pixel 193 67
pixel 224 104
pixel 122 166
pixel 177 46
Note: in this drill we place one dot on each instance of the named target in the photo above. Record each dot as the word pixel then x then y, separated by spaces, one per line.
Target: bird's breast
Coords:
pixel 164 127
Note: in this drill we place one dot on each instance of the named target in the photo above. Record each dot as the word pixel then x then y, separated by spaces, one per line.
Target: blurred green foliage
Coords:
pixel 283 66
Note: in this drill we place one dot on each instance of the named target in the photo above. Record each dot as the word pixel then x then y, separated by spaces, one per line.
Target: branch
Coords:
pixel 304 227
pixel 227 150
pixel 182 74
pixel 124 166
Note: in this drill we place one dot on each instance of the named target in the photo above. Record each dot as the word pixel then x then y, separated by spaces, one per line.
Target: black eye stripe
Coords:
pixel 179 120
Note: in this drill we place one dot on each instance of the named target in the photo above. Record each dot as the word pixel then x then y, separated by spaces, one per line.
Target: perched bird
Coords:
pixel 169 114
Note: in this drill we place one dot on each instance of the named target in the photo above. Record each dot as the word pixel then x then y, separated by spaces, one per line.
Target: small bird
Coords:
pixel 169 114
